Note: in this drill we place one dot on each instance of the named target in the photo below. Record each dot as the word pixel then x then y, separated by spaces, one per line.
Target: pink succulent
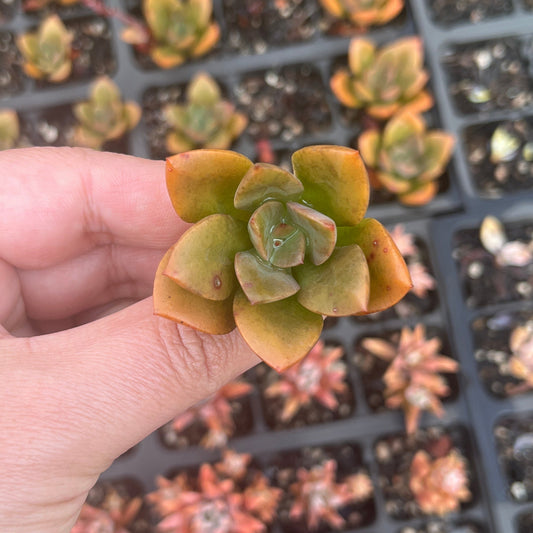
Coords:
pixel 115 519
pixel 422 280
pixel 404 241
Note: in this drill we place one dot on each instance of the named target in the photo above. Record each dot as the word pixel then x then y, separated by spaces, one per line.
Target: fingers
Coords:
pixel 92 392
pixel 57 203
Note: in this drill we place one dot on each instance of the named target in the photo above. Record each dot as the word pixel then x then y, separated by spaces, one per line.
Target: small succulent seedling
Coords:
pixel 205 121
pixel 404 241
pixel 9 128
pixel 272 253
pixel 318 497
pixel 412 379
pixel 405 158
pixel 215 414
pixel 521 362
pixel 439 485
pixel 504 145
pixel 215 501
pixel 364 13
pixel 47 52
pixel 320 376
pixel 105 116
pixel 506 253
pixel 178 30
pixel 384 81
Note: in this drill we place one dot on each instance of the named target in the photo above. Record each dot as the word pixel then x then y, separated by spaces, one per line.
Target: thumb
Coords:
pixel 90 393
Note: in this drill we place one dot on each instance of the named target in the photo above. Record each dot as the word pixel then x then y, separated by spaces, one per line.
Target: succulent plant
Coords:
pixel 178 30
pixel 9 128
pixel 521 362
pixel 47 52
pixel 405 158
pixel 215 414
pixel 422 280
pixel 318 497
pixel 404 241
pixel 506 253
pixel 412 379
pixel 271 253
pixel 384 81
pixel 439 485
pixel 214 503
pixel 318 377
pixel 105 116
pixel 205 121
pixel 364 13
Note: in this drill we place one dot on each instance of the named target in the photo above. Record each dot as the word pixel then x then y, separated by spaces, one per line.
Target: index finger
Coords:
pixel 57 203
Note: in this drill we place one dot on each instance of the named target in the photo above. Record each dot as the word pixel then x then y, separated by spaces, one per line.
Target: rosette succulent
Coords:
pixel 272 253
pixel 405 158
pixel 47 52
pixel 205 121
pixel 9 128
pixel 364 13
pixel 384 81
pixel 105 116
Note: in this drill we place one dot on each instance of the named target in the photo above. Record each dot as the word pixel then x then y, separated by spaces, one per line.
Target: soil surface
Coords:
pixel 445 526
pixel 11 74
pixel 451 12
pixel 525 522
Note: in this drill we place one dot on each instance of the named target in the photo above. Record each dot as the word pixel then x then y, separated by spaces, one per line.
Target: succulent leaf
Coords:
pixel 266 181
pixel 286 246
pixel 329 173
pixel 175 303
pixel 203 182
pixel 389 275
pixel 262 282
pixel 277 330
pixel 202 260
pixel 9 128
pixel 364 13
pixel 260 226
pixel 338 287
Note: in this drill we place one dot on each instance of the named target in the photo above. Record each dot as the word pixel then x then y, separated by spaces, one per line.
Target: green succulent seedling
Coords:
pixel 364 13
pixel 179 30
pixel 205 121
pixel 9 129
pixel 405 158
pixel 47 52
pixel 272 253
pixel 105 116
pixel 384 81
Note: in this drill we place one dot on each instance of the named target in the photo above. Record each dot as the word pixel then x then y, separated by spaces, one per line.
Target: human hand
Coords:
pixel 84 374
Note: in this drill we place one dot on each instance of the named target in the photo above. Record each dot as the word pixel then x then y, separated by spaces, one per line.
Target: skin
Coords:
pixel 86 369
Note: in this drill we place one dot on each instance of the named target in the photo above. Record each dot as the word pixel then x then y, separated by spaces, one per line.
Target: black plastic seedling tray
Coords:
pixel 472 412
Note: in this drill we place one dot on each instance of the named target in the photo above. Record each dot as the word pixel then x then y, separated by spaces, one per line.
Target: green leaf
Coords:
pixel 202 260
pixel 331 173
pixel 260 281
pixel 389 276
pixel 286 246
pixel 261 224
pixel 320 230
pixel 281 333
pixel 264 181
pixel 338 287
pixel 203 182
pixel 175 303
pixel 203 90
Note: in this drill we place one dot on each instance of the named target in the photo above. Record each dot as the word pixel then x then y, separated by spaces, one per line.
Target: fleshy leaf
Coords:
pixel 320 230
pixel 339 287
pixel 329 173
pixel 266 181
pixel 260 281
pixel 286 246
pixel 203 90
pixel 369 142
pixel 389 276
pixel 202 261
pixel 203 182
pixel 281 333
pixel 175 303
pixel 261 223
pixel 420 195
pixel 361 54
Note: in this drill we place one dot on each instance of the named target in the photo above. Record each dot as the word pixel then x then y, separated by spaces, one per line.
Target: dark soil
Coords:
pixel 284 103
pixel 125 489
pixel 514 440
pixel 395 453
pixel 445 526
pixel 450 11
pixel 492 351
pixel 528 4
pixel 192 435
pixel 11 74
pixel 485 282
pixel 372 369
pixel 314 413
pixel 516 173
pixel 8 9
pixel 283 468
pixel 253 26
pixel 489 75
pixel 525 522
